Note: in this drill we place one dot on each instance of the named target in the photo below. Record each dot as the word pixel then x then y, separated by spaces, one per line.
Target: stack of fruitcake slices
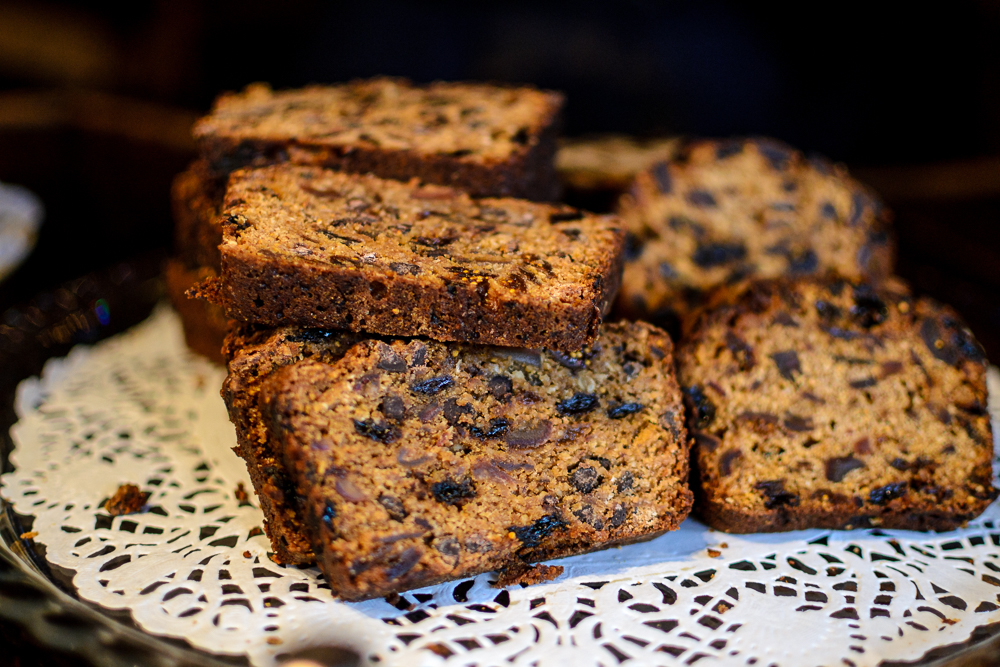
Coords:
pixel 419 376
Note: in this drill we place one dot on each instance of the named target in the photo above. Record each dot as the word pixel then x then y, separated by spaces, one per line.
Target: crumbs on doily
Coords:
pixel 241 495
pixel 128 499
pixel 526 575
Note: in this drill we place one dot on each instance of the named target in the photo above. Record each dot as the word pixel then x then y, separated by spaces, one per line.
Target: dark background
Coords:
pixel 97 98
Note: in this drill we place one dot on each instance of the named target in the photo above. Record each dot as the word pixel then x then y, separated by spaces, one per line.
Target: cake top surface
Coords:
pixel 431 234
pixel 724 210
pixel 837 396
pixel 457 119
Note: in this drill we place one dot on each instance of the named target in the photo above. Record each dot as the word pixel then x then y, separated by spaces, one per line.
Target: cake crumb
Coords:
pixel 440 649
pixel 128 499
pixel 526 575
pixel 714 553
pixel 242 497
pixel 29 535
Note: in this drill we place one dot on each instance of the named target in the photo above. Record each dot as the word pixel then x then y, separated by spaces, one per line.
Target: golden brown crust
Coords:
pixel 314 247
pixel 489 140
pixel 827 404
pixel 205 324
pixel 722 211
pixel 421 462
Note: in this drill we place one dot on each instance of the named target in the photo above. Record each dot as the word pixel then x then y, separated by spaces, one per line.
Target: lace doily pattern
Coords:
pixel 194 563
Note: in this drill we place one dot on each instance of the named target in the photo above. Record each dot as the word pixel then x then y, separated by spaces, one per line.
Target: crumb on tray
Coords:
pixel 128 499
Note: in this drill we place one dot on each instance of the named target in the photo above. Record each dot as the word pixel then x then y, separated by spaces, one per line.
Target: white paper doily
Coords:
pixel 141 409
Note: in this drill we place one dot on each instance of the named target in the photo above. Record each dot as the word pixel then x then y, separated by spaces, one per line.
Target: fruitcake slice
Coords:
pixel 825 404
pixel 490 140
pixel 253 355
pixel 419 462
pixel 320 248
pixel 724 210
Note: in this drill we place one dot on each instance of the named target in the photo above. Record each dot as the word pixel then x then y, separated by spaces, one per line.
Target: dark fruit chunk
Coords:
pixel 625 481
pixel 451 492
pixel 775 494
pixel 585 479
pixel 728 148
pixel 868 310
pixel 578 404
pixel 618 516
pixel 798 424
pixel 377 431
pixel 433 385
pixel 393 407
pixel 662 177
pixel 406 561
pixel 777 155
pixel 329 514
pixel 726 461
pixel 394 506
pixel 453 411
pixel 706 441
pixel 741 351
pixel 863 383
pixel 884 494
pixel 533 534
pixel 803 262
pixel 950 348
pixel 702 409
pixel 624 410
pixel 587 515
pixel 718 254
pixel 497 427
pixel 573 363
pixel 391 361
pixel 837 468
pixel 530 436
pixel 787 363
pixel 701 198
pixel 827 311
pixel 633 247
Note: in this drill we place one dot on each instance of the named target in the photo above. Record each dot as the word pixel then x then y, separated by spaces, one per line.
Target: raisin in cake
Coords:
pixel 419 461
pixel 253 355
pixel 836 405
pixel 721 211
pixel 319 248
pixel 490 140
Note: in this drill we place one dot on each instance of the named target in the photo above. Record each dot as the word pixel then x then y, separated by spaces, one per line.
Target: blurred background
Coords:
pixel 97 99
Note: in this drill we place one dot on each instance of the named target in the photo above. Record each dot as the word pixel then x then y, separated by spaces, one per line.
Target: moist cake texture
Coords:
pixel 489 140
pixel 724 210
pixel 318 248
pixel 418 461
pixel 253 355
pixel 825 404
